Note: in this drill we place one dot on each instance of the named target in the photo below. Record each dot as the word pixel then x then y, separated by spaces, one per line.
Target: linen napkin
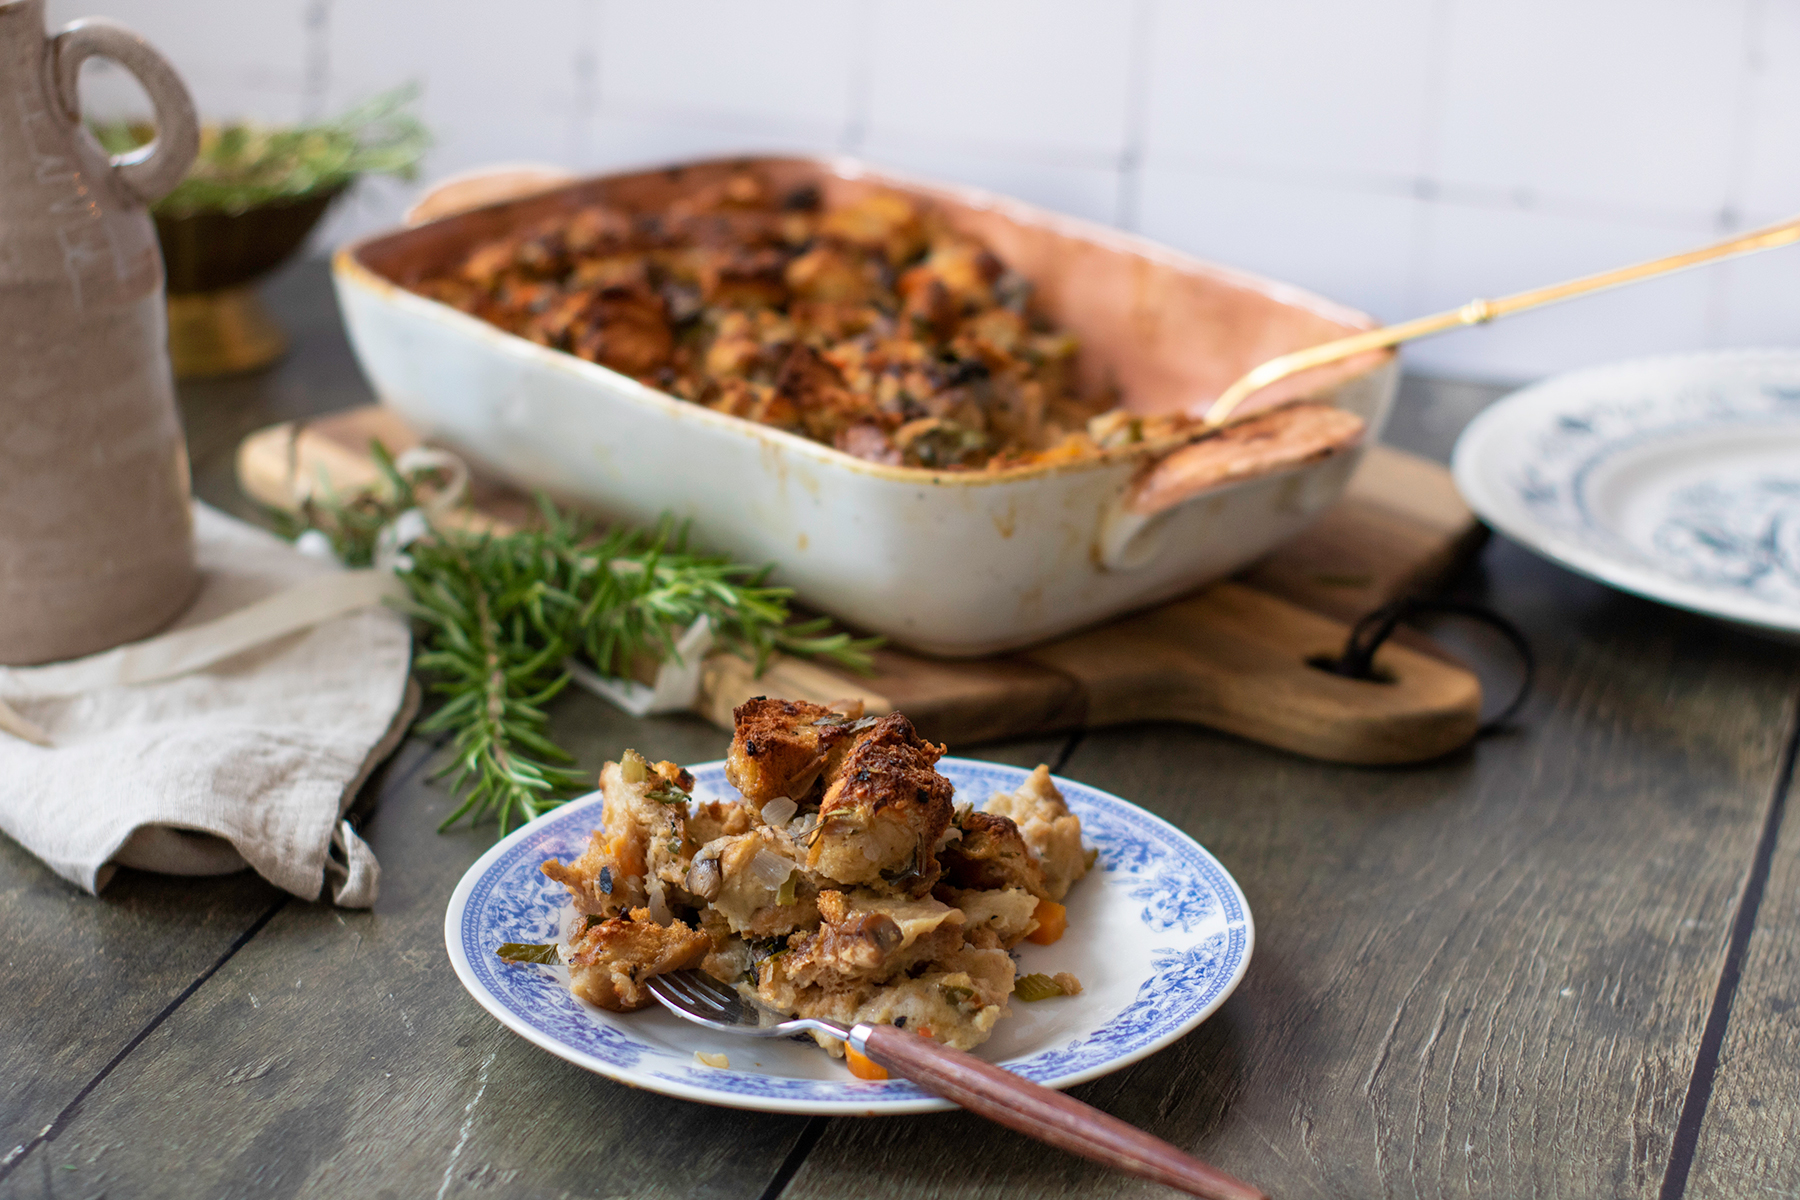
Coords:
pixel 206 765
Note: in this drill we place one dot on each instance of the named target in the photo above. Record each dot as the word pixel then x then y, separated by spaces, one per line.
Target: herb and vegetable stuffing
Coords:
pixel 842 883
pixel 867 322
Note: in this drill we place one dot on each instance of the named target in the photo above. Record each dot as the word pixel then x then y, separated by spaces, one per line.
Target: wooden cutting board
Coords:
pixel 1232 656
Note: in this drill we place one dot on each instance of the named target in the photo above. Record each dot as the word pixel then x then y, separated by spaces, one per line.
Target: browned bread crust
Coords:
pixel 613 959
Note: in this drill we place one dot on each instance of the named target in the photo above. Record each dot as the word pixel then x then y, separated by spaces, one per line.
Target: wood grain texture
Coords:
pixel 1749 1141
pixel 84 974
pixel 1048 1116
pixel 1401 528
pixel 1482 977
pixel 337 1055
pixel 318 374
pixel 1238 660
pixel 377 1075
pixel 1232 657
pixel 1403 1030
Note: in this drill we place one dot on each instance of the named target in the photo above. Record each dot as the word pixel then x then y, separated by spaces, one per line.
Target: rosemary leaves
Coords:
pixel 499 613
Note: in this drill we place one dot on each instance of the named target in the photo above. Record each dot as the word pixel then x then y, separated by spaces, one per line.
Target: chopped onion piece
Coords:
pixel 717 1061
pixel 770 869
pixel 802 783
pixel 779 810
pixel 659 904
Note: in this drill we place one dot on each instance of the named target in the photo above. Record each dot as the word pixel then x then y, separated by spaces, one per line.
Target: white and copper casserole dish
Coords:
pixel 951 562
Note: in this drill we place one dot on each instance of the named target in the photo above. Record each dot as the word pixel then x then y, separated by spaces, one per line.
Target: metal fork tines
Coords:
pixel 698 997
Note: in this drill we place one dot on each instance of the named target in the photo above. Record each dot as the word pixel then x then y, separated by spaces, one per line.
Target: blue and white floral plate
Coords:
pixel 1676 478
pixel 1159 935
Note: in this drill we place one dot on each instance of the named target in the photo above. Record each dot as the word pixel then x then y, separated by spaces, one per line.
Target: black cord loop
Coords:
pixel 1369 633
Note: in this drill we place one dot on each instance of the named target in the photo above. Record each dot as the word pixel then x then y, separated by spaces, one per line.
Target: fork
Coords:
pixel 978 1086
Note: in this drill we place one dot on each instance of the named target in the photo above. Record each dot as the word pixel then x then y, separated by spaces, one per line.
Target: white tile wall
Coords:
pixel 781 64
pixel 1397 155
pixel 1770 183
pixel 495 86
pixel 1758 302
pixel 243 58
pixel 1352 246
pixel 1307 86
pixel 1049 77
pixel 1622 103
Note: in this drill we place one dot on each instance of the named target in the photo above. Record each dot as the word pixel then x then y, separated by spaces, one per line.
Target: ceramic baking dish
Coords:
pixel 951 563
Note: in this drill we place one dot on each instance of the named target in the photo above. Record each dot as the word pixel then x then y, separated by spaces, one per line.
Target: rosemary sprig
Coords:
pixel 500 613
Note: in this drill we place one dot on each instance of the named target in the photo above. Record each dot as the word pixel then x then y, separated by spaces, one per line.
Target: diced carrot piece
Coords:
pixel 618 849
pixel 862 1066
pixel 1052 919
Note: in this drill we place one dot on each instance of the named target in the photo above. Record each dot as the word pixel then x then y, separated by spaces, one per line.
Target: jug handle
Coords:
pixel 149 172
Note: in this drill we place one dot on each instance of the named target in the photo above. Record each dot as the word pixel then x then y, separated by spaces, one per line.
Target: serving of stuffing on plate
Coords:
pixel 845 884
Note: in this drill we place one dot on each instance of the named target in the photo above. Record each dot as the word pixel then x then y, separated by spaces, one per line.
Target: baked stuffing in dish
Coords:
pixel 872 327
pixel 845 885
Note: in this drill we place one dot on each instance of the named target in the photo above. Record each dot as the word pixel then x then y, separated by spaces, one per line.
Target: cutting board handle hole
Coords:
pixel 1335 666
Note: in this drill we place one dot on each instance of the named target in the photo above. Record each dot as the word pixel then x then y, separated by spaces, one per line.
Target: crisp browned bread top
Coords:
pixel 891 766
pixel 991 854
pixel 873 325
pixel 781 748
pixel 886 808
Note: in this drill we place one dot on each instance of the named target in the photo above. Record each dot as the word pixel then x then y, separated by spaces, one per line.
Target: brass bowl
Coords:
pixel 212 259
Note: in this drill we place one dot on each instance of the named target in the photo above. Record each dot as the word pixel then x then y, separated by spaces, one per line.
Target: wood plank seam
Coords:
pixel 796 1157
pixel 1712 1038
pixel 1067 752
pixel 22 1152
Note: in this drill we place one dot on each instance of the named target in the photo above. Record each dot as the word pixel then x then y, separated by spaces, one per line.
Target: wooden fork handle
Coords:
pixel 1046 1115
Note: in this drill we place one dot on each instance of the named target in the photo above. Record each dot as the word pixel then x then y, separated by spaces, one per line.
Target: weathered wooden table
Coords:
pixel 1563 963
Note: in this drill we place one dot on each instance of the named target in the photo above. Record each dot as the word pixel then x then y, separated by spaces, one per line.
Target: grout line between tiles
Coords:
pixel 856 122
pixel 1137 103
pixel 1712 1039
pixel 69 1111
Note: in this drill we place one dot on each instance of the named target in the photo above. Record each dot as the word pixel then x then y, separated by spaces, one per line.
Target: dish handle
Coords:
pixel 495 183
pixel 1315 455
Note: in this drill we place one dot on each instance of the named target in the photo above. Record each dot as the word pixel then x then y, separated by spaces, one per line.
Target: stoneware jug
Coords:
pixel 96 534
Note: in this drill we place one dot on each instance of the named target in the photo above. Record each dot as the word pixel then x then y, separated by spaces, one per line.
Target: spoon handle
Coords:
pixel 1479 312
pixel 1040 1113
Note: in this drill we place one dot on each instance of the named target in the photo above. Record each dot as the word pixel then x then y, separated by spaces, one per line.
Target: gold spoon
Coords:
pixel 1479 312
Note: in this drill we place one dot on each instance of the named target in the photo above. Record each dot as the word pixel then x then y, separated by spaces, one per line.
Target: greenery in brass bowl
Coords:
pixel 243 165
pixel 248 203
